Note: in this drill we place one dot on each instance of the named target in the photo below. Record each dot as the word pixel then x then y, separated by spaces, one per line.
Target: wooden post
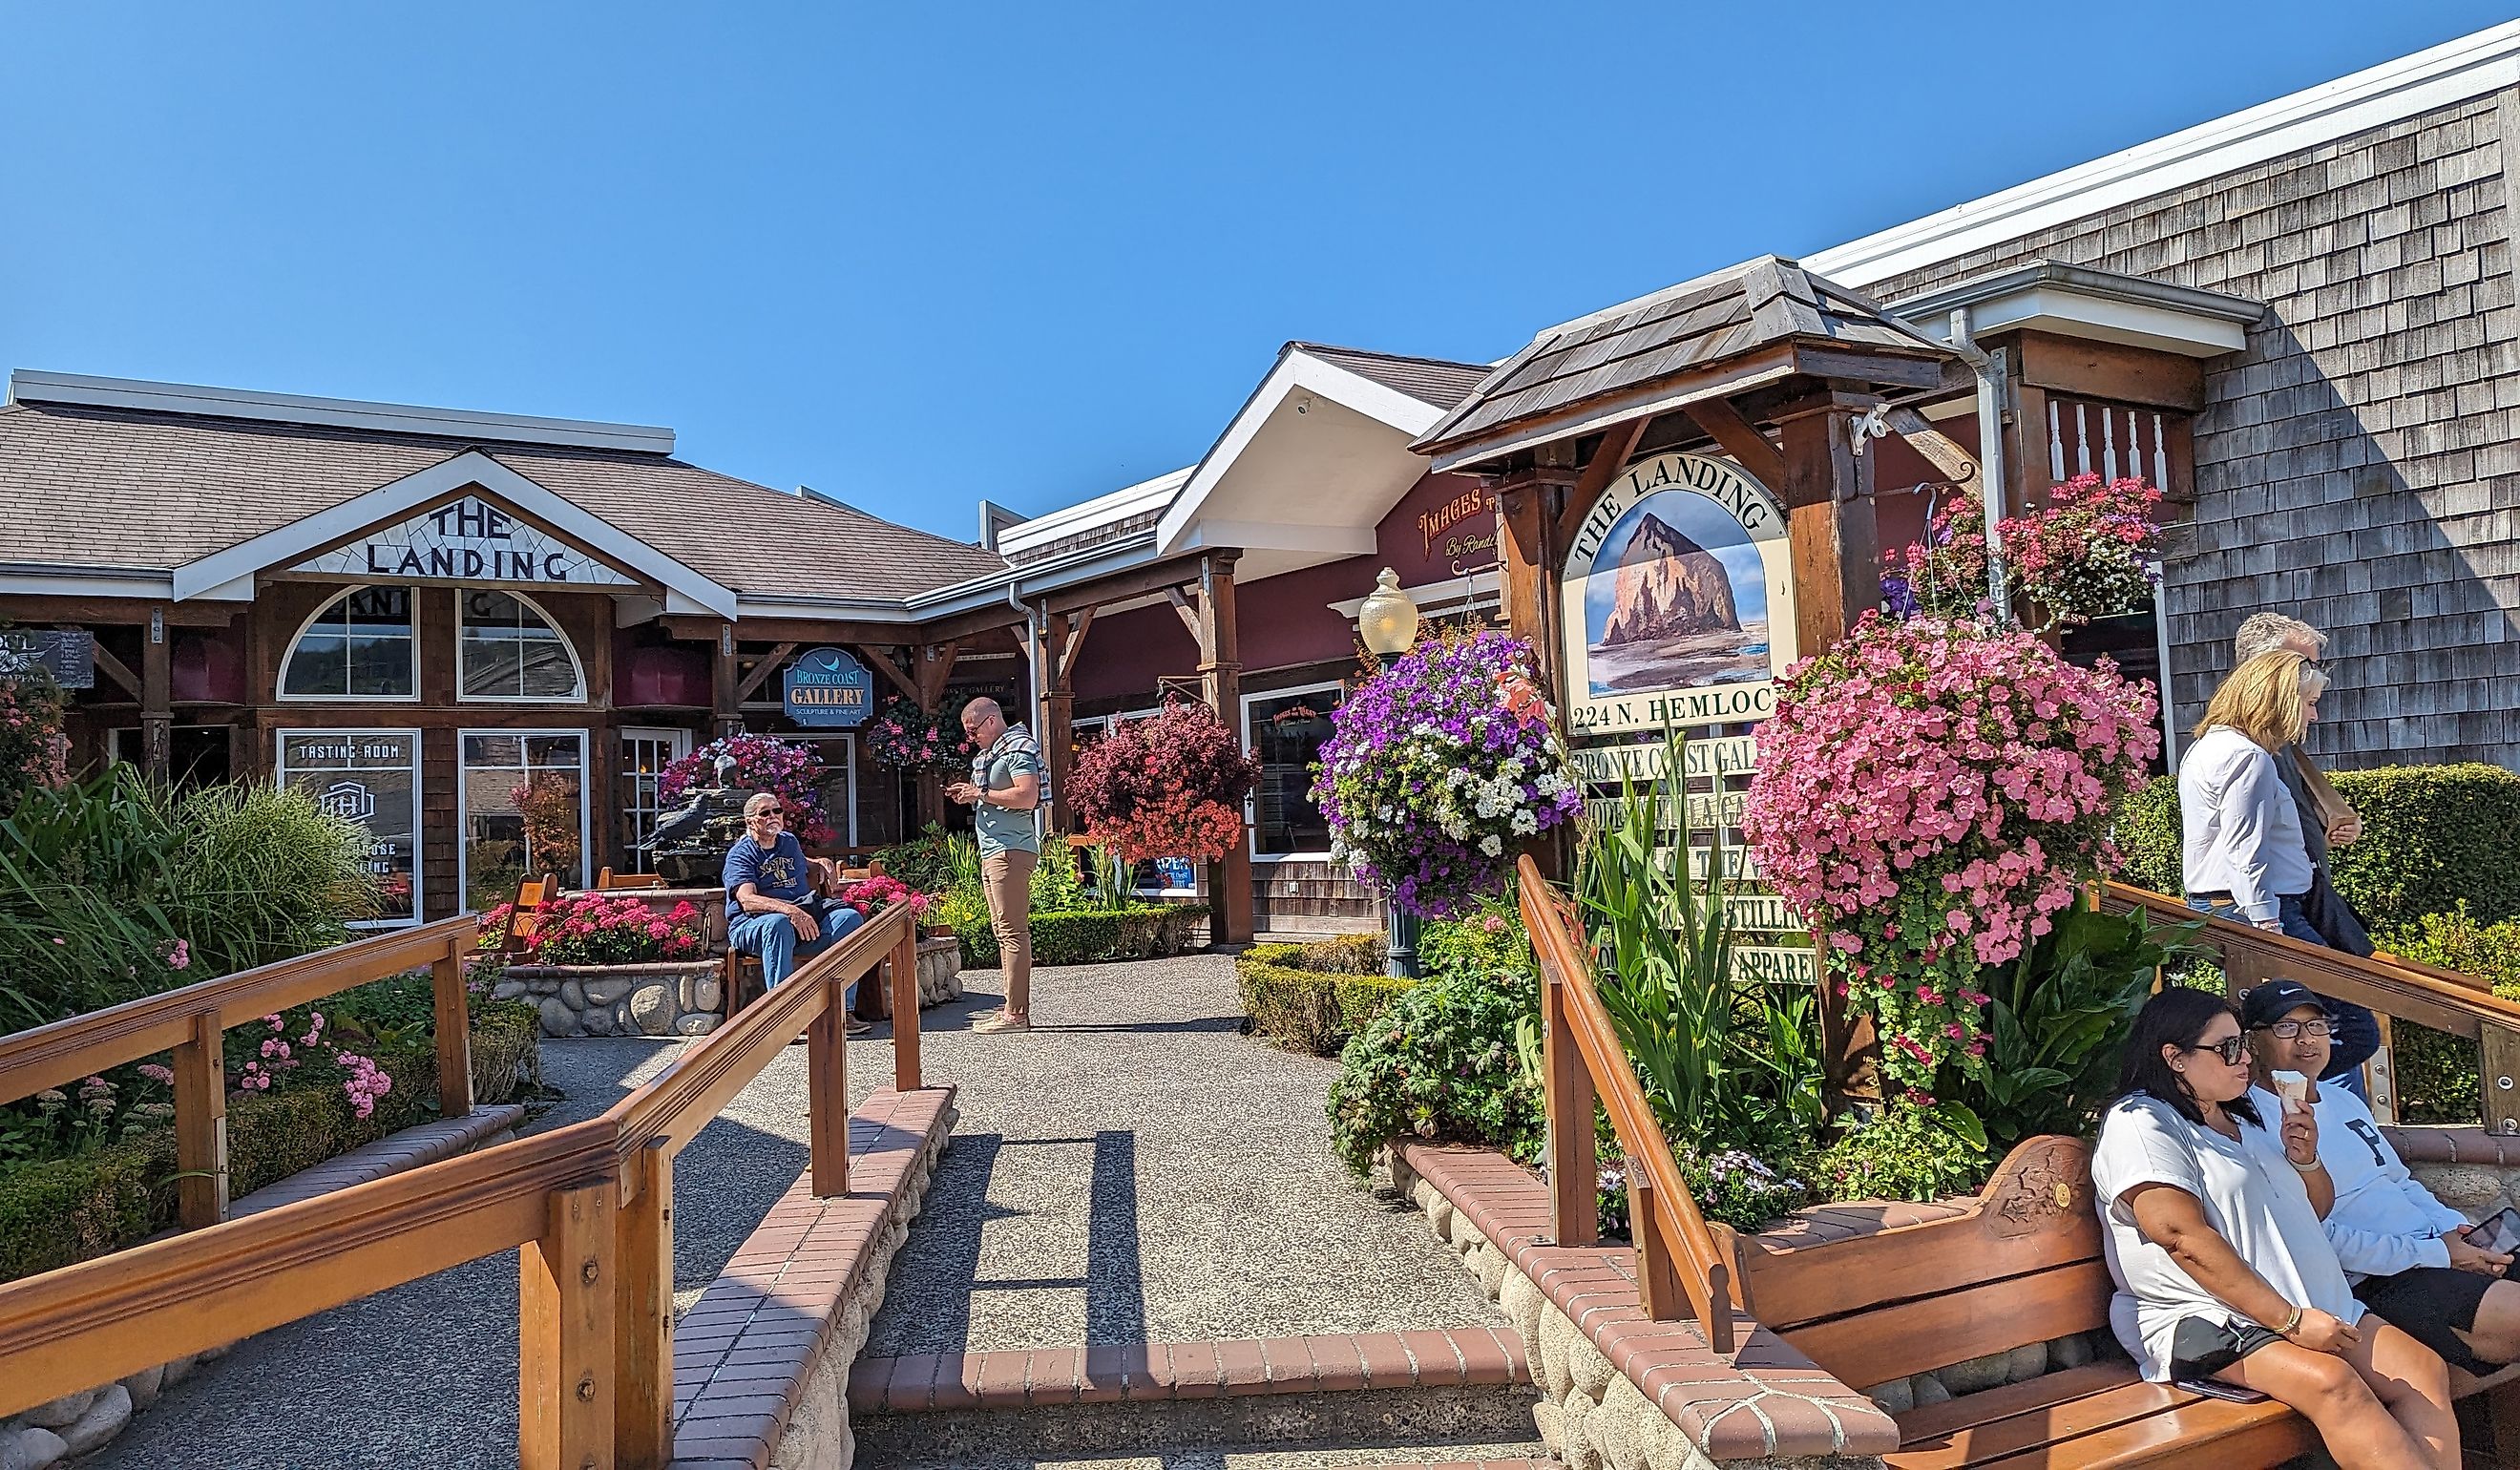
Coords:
pixel 2380 1075
pixel 904 966
pixel 2498 1051
pixel 1657 1282
pixel 566 1355
pixel 156 699
pixel 1220 674
pixel 454 1032
pixel 1574 1153
pixel 934 668
pixel 642 1430
pixel 725 706
pixel 1057 633
pixel 827 1091
pixel 201 1126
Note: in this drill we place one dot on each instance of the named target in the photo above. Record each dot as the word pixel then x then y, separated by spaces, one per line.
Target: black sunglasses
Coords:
pixel 772 812
pixel 2232 1048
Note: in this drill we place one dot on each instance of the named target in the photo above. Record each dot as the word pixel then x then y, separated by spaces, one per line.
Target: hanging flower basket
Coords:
pixel 1171 786
pixel 905 738
pixel 1442 766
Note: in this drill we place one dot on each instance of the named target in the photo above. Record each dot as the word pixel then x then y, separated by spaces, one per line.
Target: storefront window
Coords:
pixel 645 755
pixel 508 651
pixel 370 777
pixel 498 767
pixel 360 646
pixel 1287 729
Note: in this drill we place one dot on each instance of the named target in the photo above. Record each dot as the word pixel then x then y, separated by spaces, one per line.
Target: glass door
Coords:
pixel 520 806
pixel 645 755
pixel 370 777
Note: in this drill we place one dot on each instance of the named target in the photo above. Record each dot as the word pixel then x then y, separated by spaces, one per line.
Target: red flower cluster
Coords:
pixel 871 896
pixel 903 736
pixel 2085 553
pixel 596 929
pixel 1169 786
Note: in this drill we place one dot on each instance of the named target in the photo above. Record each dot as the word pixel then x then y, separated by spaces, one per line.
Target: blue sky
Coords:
pixel 915 255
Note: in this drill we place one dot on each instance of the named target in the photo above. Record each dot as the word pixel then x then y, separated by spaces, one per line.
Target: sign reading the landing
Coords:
pixel 1677 600
pixel 828 689
pixel 468 540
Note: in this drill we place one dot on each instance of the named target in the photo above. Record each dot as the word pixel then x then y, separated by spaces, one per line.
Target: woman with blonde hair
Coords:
pixel 2243 855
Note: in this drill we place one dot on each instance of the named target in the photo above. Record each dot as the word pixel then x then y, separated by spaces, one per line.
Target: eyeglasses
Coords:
pixel 772 812
pixel 2232 1048
pixel 2287 1030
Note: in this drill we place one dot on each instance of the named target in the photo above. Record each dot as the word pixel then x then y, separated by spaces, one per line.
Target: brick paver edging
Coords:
pixel 420 1144
pixel 1139 1372
pixel 758 1354
pixel 1769 1403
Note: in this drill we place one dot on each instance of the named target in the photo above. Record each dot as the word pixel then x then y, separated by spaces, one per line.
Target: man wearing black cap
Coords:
pixel 2406 1253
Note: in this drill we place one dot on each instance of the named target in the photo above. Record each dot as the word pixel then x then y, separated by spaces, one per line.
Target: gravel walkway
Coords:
pixel 1134 1168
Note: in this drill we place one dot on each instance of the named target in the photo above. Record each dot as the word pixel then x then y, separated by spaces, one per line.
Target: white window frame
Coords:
pixel 419 810
pixel 567 646
pixel 1251 803
pixel 464 804
pixel 289 653
pixel 674 738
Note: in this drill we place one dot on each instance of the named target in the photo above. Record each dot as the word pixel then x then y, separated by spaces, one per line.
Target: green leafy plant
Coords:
pixel 1057 887
pixel 2457 940
pixel 1487 942
pixel 1440 1061
pixel 1311 1009
pixel 1083 935
pixel 1908 1151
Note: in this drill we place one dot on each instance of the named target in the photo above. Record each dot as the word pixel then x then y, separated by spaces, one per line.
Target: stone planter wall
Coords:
pixel 667 999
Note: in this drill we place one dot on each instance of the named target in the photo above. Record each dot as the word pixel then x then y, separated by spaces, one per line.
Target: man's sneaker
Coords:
pixel 1005 1021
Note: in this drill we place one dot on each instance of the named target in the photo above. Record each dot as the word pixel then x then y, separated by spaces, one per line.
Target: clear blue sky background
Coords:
pixel 918 254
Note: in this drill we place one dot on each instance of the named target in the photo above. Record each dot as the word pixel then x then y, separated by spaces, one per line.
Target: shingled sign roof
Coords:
pixel 1611 360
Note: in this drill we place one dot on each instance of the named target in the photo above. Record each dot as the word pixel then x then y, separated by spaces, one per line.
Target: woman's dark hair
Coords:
pixel 2176 1017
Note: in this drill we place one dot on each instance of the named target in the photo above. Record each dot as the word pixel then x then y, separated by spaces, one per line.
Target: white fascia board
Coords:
pixel 1296 372
pixel 74 584
pixel 1278 536
pixel 1103 509
pixel 2071 313
pixel 420 487
pixel 30 385
pixel 2472 65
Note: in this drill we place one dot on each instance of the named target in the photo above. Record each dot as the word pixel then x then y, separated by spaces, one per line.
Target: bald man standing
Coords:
pixel 1002 792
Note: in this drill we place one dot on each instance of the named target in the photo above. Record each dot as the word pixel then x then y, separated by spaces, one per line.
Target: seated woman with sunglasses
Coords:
pixel 2210 1213
pixel 2405 1252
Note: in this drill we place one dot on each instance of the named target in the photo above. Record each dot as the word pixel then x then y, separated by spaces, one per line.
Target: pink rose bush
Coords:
pixel 762 763
pixel 1929 793
pixel 871 896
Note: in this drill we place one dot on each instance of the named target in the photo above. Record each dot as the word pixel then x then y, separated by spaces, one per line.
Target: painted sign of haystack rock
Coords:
pixel 1669 587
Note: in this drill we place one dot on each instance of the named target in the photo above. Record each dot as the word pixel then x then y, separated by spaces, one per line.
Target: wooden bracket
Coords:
pixel 885 666
pixel 1075 642
pixel 1180 605
pixel 115 668
pixel 762 671
pixel 1736 436
pixel 1939 449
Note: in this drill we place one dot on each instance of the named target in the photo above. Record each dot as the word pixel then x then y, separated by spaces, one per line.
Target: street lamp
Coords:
pixel 1387 622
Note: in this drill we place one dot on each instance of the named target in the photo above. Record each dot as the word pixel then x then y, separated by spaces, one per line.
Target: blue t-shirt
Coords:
pixel 780 874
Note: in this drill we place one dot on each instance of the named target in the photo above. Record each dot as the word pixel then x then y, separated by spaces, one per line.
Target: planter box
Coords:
pixel 666 997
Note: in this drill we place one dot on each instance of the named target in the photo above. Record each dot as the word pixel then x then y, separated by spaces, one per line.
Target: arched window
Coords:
pixel 508 650
pixel 361 646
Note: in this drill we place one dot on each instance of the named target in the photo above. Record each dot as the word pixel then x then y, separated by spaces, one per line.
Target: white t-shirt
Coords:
pixel 2384 1221
pixel 2252 1196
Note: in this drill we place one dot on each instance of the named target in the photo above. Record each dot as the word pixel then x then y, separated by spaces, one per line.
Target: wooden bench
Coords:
pixel 2024 1265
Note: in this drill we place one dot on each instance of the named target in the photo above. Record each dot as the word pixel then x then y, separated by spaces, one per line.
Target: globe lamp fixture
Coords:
pixel 1388 620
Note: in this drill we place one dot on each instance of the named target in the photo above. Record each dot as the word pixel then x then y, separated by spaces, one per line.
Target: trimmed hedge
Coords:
pixel 2434 837
pixel 1090 936
pixel 58 1212
pixel 1311 1009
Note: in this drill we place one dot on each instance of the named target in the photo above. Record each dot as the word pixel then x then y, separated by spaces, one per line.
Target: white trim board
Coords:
pixel 288 543
pixel 33 385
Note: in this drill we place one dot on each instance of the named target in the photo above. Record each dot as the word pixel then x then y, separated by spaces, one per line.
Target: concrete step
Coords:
pixel 1530 1455
pixel 1367 1398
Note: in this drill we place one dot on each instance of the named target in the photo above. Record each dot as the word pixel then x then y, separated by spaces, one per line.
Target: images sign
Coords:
pixel 1677 600
pixel 828 689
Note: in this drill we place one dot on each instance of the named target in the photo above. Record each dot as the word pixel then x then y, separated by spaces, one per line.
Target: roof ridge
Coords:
pixel 1397 357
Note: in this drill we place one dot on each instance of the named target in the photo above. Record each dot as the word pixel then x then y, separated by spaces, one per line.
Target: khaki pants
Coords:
pixel 1007 878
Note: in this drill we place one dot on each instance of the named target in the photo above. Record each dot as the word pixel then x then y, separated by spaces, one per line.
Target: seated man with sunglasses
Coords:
pixel 2405 1252
pixel 774 905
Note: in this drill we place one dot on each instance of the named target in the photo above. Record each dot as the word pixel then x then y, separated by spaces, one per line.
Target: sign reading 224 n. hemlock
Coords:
pixel 1677 602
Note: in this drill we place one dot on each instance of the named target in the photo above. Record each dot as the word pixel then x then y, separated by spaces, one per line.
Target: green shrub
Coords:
pixel 1147 931
pixel 2434 837
pixel 933 862
pixel 1346 955
pixel 1905 1152
pixel 2455 941
pixel 58 1212
pixel 2438 1075
pixel 1487 942
pixel 1440 1061
pixel 1312 1011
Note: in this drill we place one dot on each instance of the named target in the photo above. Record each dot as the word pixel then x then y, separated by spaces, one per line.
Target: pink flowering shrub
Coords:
pixel 33 751
pixel 762 763
pixel 2085 553
pixel 1930 792
pixel 905 738
pixel 600 928
pixel 871 896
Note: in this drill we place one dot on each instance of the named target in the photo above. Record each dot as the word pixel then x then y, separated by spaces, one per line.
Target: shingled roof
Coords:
pixel 1612 358
pixel 1431 380
pixel 84 485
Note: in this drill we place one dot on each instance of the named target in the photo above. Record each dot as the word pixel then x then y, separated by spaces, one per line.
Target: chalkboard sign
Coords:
pixel 69 657
pixel 828 689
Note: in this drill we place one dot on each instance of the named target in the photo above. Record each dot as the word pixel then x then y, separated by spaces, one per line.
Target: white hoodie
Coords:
pixel 2384 1221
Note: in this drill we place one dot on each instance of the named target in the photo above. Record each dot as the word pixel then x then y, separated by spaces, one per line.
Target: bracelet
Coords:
pixel 2290 1322
pixel 2313 1166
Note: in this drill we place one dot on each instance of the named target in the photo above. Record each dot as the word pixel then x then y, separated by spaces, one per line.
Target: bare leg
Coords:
pixel 2330 1391
pixel 2495 1338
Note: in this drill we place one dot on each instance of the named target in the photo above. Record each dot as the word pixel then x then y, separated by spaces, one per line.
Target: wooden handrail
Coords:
pixel 2402 989
pixel 1674 1246
pixel 588 1202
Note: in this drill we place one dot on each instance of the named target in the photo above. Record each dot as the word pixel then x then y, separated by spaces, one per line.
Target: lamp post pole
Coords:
pixel 1387 624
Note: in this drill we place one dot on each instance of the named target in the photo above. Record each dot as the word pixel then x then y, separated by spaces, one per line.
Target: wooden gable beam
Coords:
pixel 1617 447
pixel 112 667
pixel 1940 449
pixel 1738 437
pixel 1076 639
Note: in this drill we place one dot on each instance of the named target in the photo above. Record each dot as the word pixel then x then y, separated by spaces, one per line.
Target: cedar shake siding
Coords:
pixel 2358 465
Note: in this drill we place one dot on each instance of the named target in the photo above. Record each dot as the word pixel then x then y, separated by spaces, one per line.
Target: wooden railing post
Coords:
pixel 1658 1289
pixel 2499 1053
pixel 202 1127
pixel 1574 1154
pixel 454 1032
pixel 827 1092
pixel 904 965
pixel 642 1436
pixel 566 1355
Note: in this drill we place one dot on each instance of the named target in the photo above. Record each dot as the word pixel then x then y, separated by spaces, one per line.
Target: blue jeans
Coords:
pixel 2358 1030
pixel 773 937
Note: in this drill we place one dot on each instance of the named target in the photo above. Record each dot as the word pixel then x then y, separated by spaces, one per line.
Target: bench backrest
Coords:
pixel 524 919
pixel 2022 1265
pixel 609 881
